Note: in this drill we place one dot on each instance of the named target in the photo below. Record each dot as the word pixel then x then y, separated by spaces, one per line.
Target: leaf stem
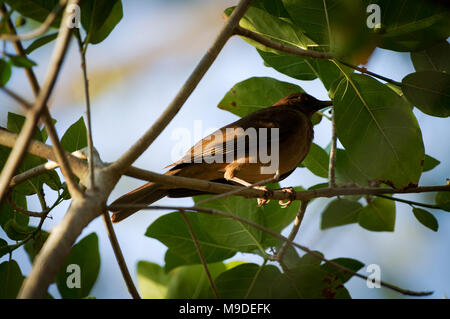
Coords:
pixel 200 254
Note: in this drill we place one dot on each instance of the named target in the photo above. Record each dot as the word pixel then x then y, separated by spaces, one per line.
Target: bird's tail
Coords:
pixel 146 194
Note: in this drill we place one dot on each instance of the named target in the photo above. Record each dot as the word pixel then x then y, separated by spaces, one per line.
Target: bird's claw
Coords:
pixel 265 200
pixel 286 203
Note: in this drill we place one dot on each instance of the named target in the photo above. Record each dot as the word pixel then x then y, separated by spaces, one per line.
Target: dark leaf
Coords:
pixel 378 130
pixel 317 161
pixel 340 212
pixel 433 58
pixel 378 215
pixel 255 93
pixel 85 255
pixel 430 163
pixel 75 138
pixel 443 200
pixel 5 72
pixel 429 91
pixel 41 42
pixel 426 218
pixel 11 279
pixel 349 263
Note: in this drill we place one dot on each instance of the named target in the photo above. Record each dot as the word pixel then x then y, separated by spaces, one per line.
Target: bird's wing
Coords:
pixel 234 138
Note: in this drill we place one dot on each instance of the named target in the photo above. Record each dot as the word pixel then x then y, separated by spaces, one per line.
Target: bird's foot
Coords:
pixel 286 203
pixel 267 192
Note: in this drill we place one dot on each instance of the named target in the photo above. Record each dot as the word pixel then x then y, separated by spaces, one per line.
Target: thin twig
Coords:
pixel 39 107
pixel 32 172
pixel 281 47
pixel 297 222
pixel 23 210
pixel 38 31
pixel 200 254
pixel 365 71
pixel 88 110
pixel 211 211
pixel 305 53
pixel 332 163
pixel 120 166
pixel 119 256
pixel 27 105
pixel 410 202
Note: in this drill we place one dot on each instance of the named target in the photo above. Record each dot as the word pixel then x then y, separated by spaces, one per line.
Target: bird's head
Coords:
pixel 304 102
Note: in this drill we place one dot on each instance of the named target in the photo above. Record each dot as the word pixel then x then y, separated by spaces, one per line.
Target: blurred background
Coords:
pixel 135 73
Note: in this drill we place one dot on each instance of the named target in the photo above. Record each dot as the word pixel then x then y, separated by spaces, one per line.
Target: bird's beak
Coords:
pixel 323 104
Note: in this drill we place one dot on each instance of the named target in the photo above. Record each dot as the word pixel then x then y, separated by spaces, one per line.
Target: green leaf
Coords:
pixel 99 17
pixel 340 212
pixel 334 25
pixel 378 130
pixel 14 224
pixel 248 281
pixel 220 237
pixel 378 215
pixel 36 9
pixel 16 231
pixel 443 200
pixel 172 231
pixel 191 282
pixel 346 170
pixel 153 280
pixel 433 58
pixel 4 247
pixel 41 42
pixel 75 138
pixel 302 68
pixel 34 245
pixel 255 93
pixel 30 187
pixel 21 61
pixel 430 163
pixel 84 254
pixel 349 263
pixel 285 32
pixel 429 91
pixel 426 218
pixel 311 281
pixel 317 161
pixel 412 25
pixel 15 123
pixel 11 279
pixel 5 72
pixel 278 30
pixel 274 7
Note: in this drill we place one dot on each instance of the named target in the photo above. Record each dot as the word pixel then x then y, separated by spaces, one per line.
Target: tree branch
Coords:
pixel 44 151
pixel 211 211
pixel 39 107
pixel 297 222
pixel 305 53
pixel 119 256
pixel 51 257
pixel 88 110
pixel 332 163
pixel 191 83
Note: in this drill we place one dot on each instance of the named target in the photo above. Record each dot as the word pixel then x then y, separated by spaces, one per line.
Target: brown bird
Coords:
pixel 230 154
